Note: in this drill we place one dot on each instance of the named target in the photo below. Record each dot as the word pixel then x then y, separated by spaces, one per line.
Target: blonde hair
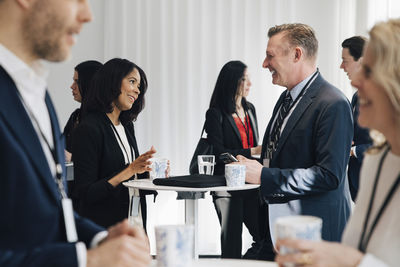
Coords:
pixel 384 45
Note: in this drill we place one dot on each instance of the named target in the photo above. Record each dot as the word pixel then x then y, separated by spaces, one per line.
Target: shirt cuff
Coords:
pixel 81 254
pixel 100 236
pixel 353 148
pixel 370 260
pixel 81 250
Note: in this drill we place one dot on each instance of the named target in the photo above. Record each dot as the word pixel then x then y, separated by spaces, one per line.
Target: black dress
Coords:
pixel 69 128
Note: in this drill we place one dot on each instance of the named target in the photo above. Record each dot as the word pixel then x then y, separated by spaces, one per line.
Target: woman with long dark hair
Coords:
pixel 231 126
pixel 83 74
pixel 104 145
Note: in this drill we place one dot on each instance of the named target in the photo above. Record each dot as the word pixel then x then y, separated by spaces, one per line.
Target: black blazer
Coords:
pixel 224 135
pixel 97 158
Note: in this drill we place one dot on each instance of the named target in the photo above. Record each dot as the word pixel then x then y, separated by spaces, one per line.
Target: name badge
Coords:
pixel 69 220
pixel 266 162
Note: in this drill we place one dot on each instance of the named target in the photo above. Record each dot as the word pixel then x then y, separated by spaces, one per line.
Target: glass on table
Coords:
pixel 206 164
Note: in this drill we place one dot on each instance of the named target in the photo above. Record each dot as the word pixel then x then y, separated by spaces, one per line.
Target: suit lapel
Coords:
pixel 234 126
pixel 57 136
pixel 19 123
pixel 297 114
pixel 292 121
pixel 130 133
pixel 266 134
pixel 253 124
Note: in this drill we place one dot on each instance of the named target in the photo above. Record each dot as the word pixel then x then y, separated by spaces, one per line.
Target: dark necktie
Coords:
pixel 283 112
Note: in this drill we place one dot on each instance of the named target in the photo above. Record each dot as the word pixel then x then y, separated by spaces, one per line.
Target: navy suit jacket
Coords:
pixel 362 141
pixel 32 231
pixel 307 172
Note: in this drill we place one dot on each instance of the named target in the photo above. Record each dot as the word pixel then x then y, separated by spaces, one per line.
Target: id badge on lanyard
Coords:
pixel 266 162
pixel 68 211
pixel 69 220
pixel 268 156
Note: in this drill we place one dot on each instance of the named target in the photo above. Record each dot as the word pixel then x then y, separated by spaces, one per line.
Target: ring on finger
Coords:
pixel 305 259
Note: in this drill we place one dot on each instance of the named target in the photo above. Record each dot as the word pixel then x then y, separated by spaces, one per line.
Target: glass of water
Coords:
pixel 206 164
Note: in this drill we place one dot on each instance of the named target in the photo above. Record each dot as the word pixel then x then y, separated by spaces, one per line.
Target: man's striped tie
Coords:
pixel 283 112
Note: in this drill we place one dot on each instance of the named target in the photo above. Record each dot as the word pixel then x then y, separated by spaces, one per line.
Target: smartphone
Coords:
pixel 227 158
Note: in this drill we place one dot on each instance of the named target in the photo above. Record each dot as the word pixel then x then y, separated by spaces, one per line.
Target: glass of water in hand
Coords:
pixel 206 164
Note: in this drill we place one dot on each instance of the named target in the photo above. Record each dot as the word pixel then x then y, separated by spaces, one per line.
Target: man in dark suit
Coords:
pixel 307 142
pixel 352 50
pixel 37 224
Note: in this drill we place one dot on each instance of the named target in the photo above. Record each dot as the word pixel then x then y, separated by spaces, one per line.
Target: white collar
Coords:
pixel 297 89
pixel 30 79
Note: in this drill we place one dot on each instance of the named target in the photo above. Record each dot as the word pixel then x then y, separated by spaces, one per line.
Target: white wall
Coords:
pixel 182 45
pixel 90 45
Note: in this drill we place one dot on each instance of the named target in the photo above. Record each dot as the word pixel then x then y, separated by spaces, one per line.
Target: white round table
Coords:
pixel 226 263
pixel 147 184
pixel 191 205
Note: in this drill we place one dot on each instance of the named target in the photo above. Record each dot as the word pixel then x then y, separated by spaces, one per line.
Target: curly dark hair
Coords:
pixel 106 87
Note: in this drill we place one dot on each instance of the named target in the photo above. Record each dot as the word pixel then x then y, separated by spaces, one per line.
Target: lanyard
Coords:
pixel 59 174
pixel 246 123
pixel 270 149
pixel 122 144
pixel 363 243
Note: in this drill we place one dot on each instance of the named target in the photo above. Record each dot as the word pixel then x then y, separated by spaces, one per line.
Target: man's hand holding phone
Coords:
pixel 227 158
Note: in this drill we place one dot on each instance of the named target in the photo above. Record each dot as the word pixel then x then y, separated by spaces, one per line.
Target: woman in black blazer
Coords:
pixel 231 126
pixel 104 145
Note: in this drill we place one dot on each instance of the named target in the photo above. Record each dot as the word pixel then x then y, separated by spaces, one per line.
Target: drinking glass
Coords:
pixel 206 164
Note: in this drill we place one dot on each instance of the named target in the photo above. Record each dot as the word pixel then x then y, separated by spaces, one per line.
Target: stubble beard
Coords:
pixel 44 31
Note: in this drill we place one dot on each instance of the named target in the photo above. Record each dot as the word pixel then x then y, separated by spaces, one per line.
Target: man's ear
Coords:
pixel 298 53
pixel 25 3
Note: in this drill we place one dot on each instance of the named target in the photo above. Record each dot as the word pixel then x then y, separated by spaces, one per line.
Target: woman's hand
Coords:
pixel 167 170
pixel 313 253
pixel 142 163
